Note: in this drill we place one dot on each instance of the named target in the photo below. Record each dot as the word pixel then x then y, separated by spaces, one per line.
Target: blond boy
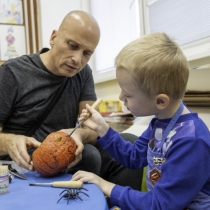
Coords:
pixel 152 72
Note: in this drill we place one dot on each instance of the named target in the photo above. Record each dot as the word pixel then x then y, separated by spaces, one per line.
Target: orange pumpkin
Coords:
pixel 54 154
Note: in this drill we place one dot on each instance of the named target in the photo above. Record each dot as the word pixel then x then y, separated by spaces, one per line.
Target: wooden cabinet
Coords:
pixel 198 88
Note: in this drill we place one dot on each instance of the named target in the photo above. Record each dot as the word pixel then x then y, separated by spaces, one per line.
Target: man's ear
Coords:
pixel 162 101
pixel 52 37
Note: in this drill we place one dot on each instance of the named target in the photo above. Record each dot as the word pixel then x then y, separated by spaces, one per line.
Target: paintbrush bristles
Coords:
pixel 3 170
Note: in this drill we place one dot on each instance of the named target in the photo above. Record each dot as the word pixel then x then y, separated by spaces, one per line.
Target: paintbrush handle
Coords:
pixel 68 184
pixel 95 105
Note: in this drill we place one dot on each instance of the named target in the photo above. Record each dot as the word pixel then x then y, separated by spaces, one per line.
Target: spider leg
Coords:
pixel 85 194
pixel 64 191
pixel 70 195
pixel 83 189
pixel 60 198
pixel 77 196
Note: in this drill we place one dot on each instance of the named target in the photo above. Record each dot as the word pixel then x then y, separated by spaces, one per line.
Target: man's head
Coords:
pixel 73 43
pixel 157 64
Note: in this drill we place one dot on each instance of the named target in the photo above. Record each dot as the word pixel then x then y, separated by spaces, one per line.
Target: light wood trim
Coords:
pixel 1 62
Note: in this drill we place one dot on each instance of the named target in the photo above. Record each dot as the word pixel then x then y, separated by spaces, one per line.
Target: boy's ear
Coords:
pixel 162 101
pixel 52 38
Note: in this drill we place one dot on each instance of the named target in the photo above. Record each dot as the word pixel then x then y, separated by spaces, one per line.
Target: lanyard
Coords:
pixel 172 123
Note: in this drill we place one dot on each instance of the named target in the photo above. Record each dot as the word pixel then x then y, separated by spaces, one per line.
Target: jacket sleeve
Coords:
pixel 130 155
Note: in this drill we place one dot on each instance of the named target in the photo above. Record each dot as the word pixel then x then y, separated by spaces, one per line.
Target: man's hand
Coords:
pixel 80 147
pixel 16 146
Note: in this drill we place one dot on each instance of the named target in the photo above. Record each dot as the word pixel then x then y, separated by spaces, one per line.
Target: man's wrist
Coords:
pixel 86 135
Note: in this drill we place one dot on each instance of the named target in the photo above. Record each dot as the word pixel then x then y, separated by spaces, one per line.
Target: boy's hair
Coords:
pixel 157 64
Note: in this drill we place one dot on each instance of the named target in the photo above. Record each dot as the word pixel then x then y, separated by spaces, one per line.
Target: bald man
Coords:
pixel 32 81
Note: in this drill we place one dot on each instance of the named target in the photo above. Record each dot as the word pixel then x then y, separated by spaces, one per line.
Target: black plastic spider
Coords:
pixel 72 194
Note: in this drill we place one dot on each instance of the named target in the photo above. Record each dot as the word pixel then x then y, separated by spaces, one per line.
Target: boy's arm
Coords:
pixel 131 155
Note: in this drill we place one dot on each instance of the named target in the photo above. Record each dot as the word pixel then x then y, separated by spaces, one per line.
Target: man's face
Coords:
pixel 72 48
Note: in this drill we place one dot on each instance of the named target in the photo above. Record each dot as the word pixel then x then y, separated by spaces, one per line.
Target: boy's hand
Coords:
pixel 95 121
pixel 88 177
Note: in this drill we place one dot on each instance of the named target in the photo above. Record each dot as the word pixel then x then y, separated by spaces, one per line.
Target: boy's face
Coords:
pixel 136 101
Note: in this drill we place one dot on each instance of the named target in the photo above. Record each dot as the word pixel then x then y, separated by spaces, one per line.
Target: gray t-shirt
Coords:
pixel 26 89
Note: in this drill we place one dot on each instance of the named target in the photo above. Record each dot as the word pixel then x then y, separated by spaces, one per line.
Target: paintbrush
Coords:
pixel 64 184
pixel 95 106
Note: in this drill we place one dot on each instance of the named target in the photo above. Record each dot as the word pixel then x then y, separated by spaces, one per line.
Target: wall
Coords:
pixel 198 80
pixel 52 12
pixel 108 90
